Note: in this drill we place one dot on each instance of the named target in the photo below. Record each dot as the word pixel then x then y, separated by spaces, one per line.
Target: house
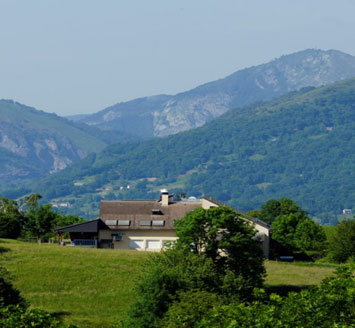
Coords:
pixel 145 224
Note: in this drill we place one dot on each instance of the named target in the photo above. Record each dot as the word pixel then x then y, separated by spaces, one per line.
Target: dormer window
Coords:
pixel 157 212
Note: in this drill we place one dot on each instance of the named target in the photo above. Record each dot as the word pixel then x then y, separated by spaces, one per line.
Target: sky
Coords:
pixel 78 57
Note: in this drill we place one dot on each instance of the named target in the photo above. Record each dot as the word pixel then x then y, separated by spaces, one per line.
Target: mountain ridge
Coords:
pixel 34 143
pixel 193 108
pixel 299 145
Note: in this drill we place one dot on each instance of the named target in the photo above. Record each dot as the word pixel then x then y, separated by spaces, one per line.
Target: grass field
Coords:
pixel 93 287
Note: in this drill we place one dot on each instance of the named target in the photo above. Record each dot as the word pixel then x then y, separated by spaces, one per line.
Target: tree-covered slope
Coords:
pixel 300 146
pixel 34 143
pixel 164 115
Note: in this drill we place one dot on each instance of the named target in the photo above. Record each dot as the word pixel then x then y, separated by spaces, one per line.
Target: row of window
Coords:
pixel 154 223
pixel 147 244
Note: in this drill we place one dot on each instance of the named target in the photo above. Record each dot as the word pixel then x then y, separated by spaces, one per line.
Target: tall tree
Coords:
pixel 225 237
pixel 11 218
pixel 342 244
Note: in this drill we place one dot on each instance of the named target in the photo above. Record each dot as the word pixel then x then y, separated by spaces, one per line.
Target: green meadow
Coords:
pixel 93 287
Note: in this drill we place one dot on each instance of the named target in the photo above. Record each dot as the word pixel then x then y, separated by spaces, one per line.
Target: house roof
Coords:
pixel 146 210
pixel 249 217
pixel 87 226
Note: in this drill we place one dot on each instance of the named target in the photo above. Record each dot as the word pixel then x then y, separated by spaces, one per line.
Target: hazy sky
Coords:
pixel 80 56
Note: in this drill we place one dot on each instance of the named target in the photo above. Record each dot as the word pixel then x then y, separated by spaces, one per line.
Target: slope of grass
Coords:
pixel 93 287
pixel 90 287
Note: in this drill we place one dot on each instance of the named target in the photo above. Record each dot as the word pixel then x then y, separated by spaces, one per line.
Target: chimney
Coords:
pixel 166 199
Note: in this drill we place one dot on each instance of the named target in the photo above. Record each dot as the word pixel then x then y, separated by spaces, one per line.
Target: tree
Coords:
pixel 164 275
pixel 274 208
pixel 32 201
pixel 42 221
pixel 342 244
pixel 225 237
pixel 216 253
pixel 331 304
pixel 298 234
pixel 11 219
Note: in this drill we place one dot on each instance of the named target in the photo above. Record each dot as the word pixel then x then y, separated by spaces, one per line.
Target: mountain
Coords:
pixel 34 143
pixel 300 145
pixel 165 115
pixel 77 117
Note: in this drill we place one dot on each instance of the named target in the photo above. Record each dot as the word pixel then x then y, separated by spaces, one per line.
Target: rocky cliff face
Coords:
pixel 164 115
pixel 34 143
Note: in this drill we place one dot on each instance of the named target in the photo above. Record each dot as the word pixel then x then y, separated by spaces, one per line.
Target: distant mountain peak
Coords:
pixel 164 115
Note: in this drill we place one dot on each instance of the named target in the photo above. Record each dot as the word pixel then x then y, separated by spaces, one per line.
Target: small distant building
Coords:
pixel 64 204
pixel 347 211
pixel 146 225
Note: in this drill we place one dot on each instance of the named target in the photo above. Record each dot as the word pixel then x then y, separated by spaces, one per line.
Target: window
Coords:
pixel 123 222
pixel 145 223
pixel 111 222
pixel 136 244
pixel 153 244
pixel 158 223
pixel 157 212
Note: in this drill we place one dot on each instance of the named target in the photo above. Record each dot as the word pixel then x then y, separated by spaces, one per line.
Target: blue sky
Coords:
pixel 80 56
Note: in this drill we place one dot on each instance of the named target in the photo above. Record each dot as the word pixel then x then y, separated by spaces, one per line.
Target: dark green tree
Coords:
pixel 296 233
pixel 274 208
pixel 11 218
pixel 227 238
pixel 216 252
pixel 42 221
pixel 342 244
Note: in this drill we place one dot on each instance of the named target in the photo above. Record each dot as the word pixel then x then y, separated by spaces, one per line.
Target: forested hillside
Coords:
pixel 163 115
pixel 300 146
pixel 34 143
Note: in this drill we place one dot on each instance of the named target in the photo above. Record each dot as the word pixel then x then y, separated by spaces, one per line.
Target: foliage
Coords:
pixel 295 233
pixel 331 304
pixel 342 243
pixel 274 208
pixel 226 238
pixel 26 217
pixel 188 308
pixel 11 219
pixel 16 316
pixel 216 252
pixel 163 276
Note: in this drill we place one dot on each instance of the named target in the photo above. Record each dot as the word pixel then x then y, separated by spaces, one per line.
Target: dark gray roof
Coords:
pixel 88 226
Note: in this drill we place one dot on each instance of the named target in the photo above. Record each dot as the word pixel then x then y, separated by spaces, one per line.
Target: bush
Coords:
pixel 331 304
pixel 16 316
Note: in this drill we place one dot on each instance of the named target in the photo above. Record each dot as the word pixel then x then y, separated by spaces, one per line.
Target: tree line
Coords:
pixel 27 218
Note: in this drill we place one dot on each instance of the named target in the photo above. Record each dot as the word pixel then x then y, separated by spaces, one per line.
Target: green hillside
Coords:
pixel 300 146
pixel 93 287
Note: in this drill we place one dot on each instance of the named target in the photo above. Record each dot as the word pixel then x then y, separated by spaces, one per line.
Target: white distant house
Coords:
pixel 64 204
pixel 146 225
pixel 347 211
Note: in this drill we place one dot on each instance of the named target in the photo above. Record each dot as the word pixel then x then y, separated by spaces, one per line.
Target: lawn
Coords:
pixel 93 287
